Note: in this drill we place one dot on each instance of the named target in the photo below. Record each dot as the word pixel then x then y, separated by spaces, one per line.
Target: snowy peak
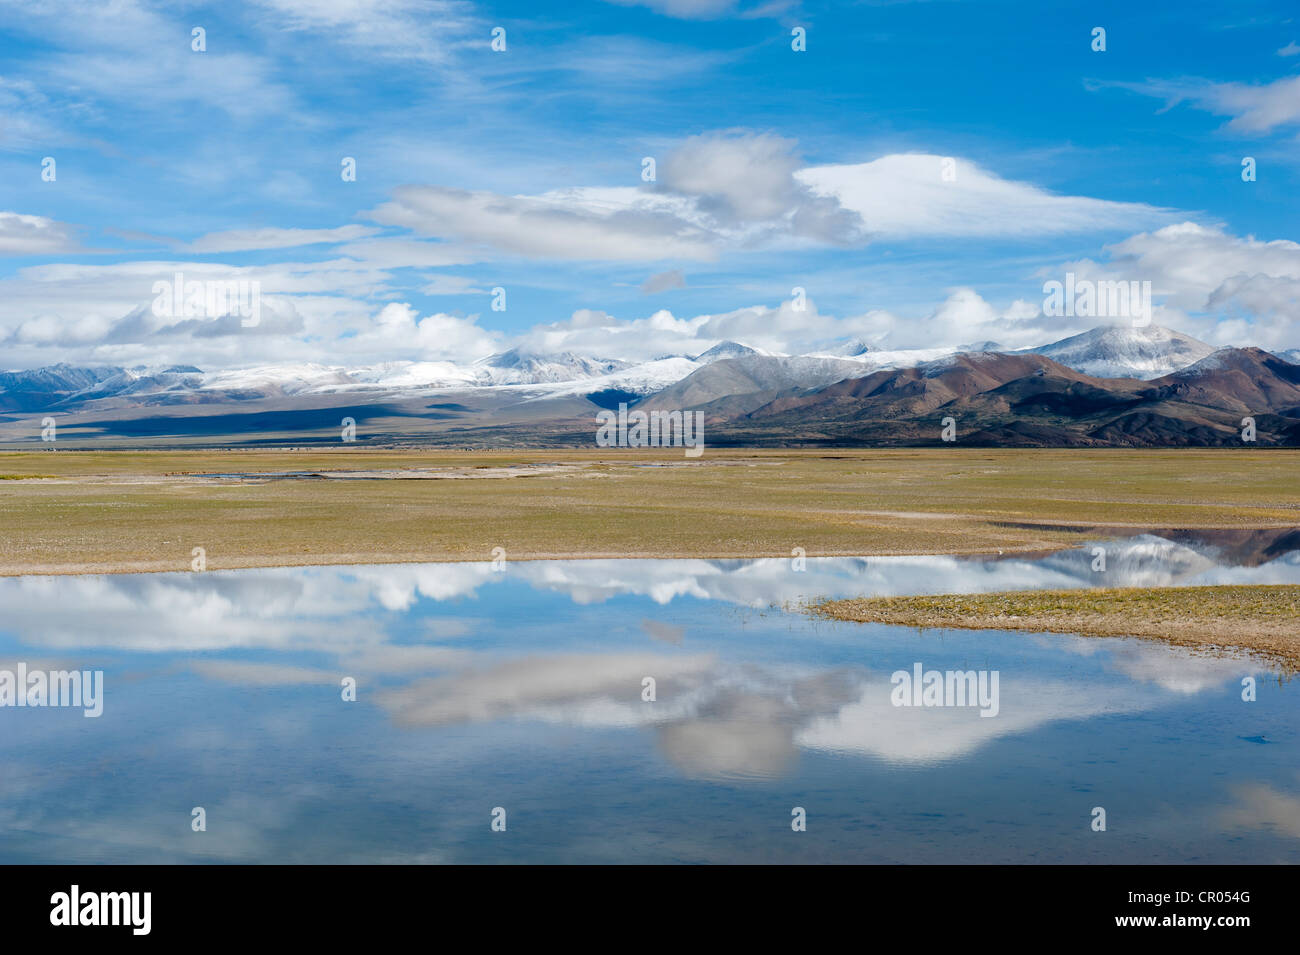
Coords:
pixel 724 350
pixel 284 379
pixel 56 379
pixel 1253 362
pixel 144 380
pixel 518 367
pixel 853 348
pixel 1116 351
pixel 727 368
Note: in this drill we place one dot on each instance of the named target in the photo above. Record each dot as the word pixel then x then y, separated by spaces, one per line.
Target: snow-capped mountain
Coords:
pixel 724 350
pixel 1115 351
pixel 46 387
pixel 62 377
pixel 645 378
pixel 516 367
pixel 143 380
pixel 853 348
pixel 734 368
pixel 280 379
pixel 878 359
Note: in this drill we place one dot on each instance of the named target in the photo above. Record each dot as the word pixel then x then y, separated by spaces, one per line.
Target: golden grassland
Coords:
pixel 1259 619
pixel 101 511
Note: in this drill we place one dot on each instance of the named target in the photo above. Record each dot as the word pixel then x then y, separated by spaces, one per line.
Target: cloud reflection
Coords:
pixel 713 717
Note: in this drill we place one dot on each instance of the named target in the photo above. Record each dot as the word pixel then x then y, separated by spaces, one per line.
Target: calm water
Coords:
pixel 522 689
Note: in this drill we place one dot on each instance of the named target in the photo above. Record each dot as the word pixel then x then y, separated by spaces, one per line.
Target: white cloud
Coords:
pixel 1260 806
pixel 684 9
pixel 26 112
pixel 709 9
pixel 35 235
pixel 397 253
pixel 747 177
pixel 732 192
pixel 236 83
pixel 103 313
pixel 964 317
pixel 917 735
pixel 443 284
pixel 663 282
pixel 398 330
pixel 1203 269
pixel 905 196
pixel 592 332
pixel 615 224
pixel 741 181
pixel 1222 288
pixel 402 29
pixel 241 240
pixel 1254 108
pixel 49 329
pixel 98 55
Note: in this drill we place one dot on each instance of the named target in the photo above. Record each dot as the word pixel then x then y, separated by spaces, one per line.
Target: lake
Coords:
pixel 519 694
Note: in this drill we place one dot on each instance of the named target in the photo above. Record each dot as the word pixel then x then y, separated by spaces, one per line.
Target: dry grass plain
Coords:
pixel 103 511
pixel 1261 620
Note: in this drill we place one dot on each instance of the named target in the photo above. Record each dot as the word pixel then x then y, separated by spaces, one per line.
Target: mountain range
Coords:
pixel 1108 386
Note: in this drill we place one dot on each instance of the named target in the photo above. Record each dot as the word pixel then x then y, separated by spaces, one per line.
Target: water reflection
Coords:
pixel 527 688
pixel 332 608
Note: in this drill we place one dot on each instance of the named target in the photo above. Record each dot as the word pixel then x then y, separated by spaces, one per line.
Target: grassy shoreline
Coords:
pixel 104 511
pixel 1263 620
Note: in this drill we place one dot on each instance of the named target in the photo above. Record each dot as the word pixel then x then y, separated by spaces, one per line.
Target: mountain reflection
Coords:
pixel 620 706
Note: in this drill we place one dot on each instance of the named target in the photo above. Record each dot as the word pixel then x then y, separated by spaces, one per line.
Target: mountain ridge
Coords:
pixel 747 395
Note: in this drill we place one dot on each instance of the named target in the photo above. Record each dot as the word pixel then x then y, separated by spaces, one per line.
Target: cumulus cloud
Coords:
pixel 310 311
pixel 745 180
pixel 720 193
pixel 594 332
pixel 106 313
pixel 1223 288
pixel 1259 294
pixel 49 329
pixel 399 329
pixel 746 177
pixel 962 317
pixel 1230 290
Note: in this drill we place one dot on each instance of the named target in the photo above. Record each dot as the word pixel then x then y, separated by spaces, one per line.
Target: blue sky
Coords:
pixel 522 169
